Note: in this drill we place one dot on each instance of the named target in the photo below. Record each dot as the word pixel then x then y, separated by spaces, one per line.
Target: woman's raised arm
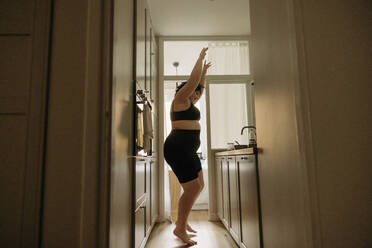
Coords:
pixel 194 79
pixel 202 79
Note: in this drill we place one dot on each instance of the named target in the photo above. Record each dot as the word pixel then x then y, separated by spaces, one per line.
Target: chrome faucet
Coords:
pixel 241 132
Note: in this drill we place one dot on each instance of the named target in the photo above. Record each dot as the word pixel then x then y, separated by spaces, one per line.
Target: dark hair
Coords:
pixel 183 84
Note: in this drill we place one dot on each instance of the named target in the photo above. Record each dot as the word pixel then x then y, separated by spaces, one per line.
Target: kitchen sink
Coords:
pixel 236 147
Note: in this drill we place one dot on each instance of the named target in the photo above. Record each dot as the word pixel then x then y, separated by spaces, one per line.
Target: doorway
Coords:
pixel 177 56
pixel 175 190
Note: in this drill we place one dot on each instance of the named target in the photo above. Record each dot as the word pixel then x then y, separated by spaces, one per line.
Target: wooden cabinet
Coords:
pixel 219 187
pixel 144 190
pixel 153 67
pixel 148 196
pixel 140 180
pixel 140 226
pixel 140 45
pixel 238 198
pixel 225 193
pixel 154 192
pixel 250 234
pixel 26 149
pixel 140 202
pixel 234 199
pixel 147 49
pixel 145 172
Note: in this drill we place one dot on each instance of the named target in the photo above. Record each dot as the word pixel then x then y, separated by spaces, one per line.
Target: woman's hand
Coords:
pixel 203 53
pixel 206 66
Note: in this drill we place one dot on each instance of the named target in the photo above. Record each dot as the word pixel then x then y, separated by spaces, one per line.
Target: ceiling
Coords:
pixel 200 17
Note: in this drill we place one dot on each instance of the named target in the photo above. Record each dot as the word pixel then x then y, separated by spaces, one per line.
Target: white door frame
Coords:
pixel 212 210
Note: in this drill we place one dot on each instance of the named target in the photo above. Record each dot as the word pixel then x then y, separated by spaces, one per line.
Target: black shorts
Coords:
pixel 180 153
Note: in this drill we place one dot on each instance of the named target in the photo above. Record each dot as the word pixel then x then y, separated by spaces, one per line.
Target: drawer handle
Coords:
pixel 229 158
pixel 244 158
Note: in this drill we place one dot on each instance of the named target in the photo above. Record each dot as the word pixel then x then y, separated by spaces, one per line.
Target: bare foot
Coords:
pixel 182 235
pixel 188 228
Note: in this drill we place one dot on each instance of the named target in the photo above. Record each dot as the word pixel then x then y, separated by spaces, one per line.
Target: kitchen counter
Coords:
pixel 238 195
pixel 244 151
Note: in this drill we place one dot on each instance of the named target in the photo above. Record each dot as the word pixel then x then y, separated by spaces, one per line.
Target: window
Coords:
pixel 228 113
pixel 227 57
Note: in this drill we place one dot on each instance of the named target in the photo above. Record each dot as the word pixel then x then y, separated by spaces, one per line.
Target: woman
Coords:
pixel 182 143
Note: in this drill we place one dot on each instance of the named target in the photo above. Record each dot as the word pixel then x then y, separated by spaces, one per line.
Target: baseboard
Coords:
pixel 203 206
pixel 214 217
pixel 144 241
pixel 163 219
pixel 155 219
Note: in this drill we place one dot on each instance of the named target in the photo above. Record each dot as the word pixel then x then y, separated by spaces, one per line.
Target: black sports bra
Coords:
pixel 191 113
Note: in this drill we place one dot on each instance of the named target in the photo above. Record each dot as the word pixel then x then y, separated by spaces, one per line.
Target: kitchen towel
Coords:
pixel 139 129
pixel 148 131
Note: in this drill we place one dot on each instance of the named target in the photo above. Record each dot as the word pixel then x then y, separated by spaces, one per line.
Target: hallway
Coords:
pixel 86 90
pixel 210 234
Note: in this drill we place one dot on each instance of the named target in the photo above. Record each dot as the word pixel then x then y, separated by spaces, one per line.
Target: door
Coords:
pixel 250 232
pixel 24 44
pixel 140 226
pixel 225 193
pixel 218 167
pixel 154 192
pixel 234 199
pixel 148 196
pixel 140 45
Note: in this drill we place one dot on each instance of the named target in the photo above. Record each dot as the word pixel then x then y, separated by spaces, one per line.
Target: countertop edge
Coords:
pixel 245 151
pixel 143 157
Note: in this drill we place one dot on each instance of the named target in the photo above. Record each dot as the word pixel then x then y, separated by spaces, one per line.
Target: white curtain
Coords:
pixel 228 57
pixel 228 114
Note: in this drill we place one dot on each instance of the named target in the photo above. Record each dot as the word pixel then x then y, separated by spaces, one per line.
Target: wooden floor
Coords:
pixel 210 234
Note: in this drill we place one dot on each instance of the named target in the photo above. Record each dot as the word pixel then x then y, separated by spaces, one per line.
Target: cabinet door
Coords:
pixel 234 199
pixel 153 68
pixel 148 197
pixel 154 192
pixel 140 226
pixel 147 48
pixel 219 187
pixel 140 180
pixel 225 193
pixel 154 92
pixel 24 67
pixel 140 44
pixel 250 234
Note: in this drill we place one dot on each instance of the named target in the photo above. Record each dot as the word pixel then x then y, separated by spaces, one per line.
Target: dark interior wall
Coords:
pixel 312 68
pixel 337 45
pixel 122 125
pixel 73 148
pixel 283 185
pixel 24 46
